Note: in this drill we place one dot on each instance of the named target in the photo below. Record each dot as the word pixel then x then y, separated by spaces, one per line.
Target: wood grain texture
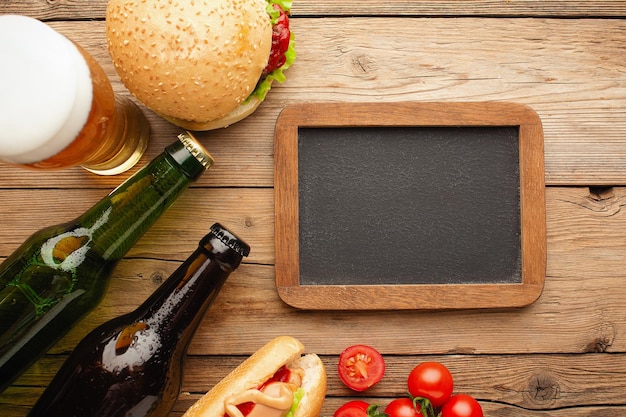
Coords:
pixel 174 236
pixel 532 385
pixel 87 9
pixel 563 356
pixel 571 72
pixel 565 352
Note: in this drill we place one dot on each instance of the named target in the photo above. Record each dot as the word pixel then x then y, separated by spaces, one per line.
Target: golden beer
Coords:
pixel 66 114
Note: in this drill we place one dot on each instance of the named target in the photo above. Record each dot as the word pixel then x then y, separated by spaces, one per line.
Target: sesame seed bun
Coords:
pixel 192 62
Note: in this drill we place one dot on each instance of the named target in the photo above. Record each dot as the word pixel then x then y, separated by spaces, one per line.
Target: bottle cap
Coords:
pixel 186 146
pixel 224 246
pixel 230 240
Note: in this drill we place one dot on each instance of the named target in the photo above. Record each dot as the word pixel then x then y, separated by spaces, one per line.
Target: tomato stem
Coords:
pixel 374 411
pixel 424 406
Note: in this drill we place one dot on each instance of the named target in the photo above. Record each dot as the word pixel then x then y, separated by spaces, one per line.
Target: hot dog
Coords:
pixel 275 381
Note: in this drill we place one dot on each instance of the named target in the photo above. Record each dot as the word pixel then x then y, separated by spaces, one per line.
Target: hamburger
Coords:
pixel 201 65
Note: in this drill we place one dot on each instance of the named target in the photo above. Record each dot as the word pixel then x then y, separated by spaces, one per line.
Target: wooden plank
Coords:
pixel 575 313
pixel 90 9
pixel 574 318
pixel 561 357
pixel 535 384
pixel 486 377
pixel 571 72
pixel 578 91
pixel 247 212
pixel 493 8
pixel 580 309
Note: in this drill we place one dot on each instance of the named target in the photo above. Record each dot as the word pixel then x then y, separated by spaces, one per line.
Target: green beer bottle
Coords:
pixel 61 272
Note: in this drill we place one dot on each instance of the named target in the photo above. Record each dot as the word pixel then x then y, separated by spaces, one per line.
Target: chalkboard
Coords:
pixel 409 205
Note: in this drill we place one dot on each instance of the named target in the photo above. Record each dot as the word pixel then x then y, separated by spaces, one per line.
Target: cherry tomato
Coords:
pixel 360 367
pixel 431 380
pixel 461 405
pixel 355 408
pixel 403 407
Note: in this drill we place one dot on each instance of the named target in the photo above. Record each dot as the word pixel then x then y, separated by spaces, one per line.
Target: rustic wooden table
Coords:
pixel 564 355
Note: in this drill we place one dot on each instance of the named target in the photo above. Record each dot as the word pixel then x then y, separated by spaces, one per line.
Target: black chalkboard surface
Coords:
pixel 409 205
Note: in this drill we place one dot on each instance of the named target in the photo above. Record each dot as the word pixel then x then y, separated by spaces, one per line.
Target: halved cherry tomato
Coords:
pixel 403 407
pixel 431 380
pixel 355 408
pixel 461 405
pixel 360 367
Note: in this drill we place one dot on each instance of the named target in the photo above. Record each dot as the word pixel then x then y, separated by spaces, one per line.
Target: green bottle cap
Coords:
pixel 193 158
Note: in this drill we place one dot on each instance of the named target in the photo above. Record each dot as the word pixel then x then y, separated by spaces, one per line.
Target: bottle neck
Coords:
pixel 177 307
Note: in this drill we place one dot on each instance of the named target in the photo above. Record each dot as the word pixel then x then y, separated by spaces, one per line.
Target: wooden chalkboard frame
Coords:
pixel 409 296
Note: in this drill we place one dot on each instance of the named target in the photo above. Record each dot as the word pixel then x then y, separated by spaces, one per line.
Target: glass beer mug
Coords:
pixel 57 106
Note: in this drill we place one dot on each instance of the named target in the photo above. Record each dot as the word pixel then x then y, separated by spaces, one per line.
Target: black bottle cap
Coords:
pixel 230 239
pixel 190 155
pixel 225 246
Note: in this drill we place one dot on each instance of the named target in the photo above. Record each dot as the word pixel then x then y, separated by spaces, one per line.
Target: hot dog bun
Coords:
pixel 258 368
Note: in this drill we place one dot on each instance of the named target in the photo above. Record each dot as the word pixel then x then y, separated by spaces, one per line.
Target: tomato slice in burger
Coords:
pixel 360 367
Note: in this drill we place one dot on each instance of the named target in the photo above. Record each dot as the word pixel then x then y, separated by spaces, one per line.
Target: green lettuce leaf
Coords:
pixel 297 397
pixel 275 14
pixel 290 56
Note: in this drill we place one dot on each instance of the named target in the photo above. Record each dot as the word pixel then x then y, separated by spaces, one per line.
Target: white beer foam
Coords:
pixel 45 90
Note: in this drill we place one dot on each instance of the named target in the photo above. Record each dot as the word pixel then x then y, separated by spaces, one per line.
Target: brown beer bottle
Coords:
pixel 131 366
pixel 62 272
